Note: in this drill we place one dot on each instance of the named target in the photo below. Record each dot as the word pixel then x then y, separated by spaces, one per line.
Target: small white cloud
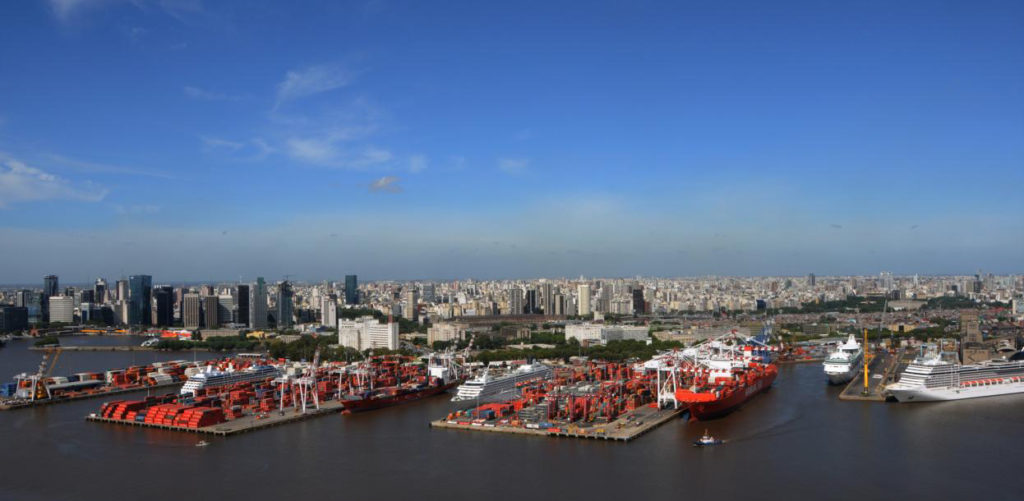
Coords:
pixel 312 80
pixel 417 163
pixel 312 150
pixel 216 142
pixel 205 95
pixel 22 183
pixel 513 165
pixel 386 184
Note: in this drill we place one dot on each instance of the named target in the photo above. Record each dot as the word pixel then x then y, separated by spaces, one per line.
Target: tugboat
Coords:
pixel 202 443
pixel 707 440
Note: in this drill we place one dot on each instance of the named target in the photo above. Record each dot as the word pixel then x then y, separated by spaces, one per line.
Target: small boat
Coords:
pixel 707 440
pixel 202 443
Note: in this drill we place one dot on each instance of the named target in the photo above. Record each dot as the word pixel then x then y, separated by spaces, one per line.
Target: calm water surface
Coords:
pixel 796 441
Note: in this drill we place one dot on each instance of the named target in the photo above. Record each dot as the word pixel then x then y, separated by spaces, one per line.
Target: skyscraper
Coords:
pixel 284 305
pixel 191 310
pixel 164 298
pixel 811 280
pixel 49 290
pixel 639 305
pixel 531 301
pixel 100 291
pixel 258 305
pixel 211 305
pixel 122 290
pixel 140 295
pixel 549 299
pixel 583 291
pixel 351 289
pixel 329 311
pixel 410 298
pixel 515 301
pixel 243 304
pixel 62 309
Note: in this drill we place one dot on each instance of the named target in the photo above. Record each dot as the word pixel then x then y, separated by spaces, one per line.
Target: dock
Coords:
pixel 240 425
pixel 624 429
pixel 883 363
pixel 14 404
pixel 119 347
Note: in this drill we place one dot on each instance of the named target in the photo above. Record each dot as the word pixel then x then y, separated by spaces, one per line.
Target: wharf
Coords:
pixel 13 404
pixel 107 348
pixel 883 363
pixel 237 426
pixel 800 361
pixel 624 429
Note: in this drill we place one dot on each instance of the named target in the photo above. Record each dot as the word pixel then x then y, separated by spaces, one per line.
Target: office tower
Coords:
pixel 191 310
pixel 531 301
pixel 258 305
pixel 549 299
pixel 811 280
pixel 49 290
pixel 639 305
pixel 62 309
pixel 429 294
pixel 515 301
pixel 583 291
pixel 410 298
pixel 225 309
pixel 87 296
pixel 100 291
pixel 329 311
pixel 351 289
pixel 242 303
pixel 122 290
pixel 559 304
pixel 163 296
pixel 284 305
pixel 211 307
pixel 140 296
pixel 206 290
pixel 13 318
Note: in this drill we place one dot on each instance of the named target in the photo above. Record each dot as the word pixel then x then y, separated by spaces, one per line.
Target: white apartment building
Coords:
pixel 600 333
pixel 366 333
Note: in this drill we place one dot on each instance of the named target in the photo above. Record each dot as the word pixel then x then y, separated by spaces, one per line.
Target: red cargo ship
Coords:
pixel 387 397
pixel 386 381
pixel 718 391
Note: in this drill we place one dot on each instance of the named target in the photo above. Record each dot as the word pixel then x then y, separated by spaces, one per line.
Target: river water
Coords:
pixel 797 440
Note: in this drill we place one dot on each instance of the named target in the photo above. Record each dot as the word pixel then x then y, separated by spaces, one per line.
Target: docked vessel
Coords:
pixel 935 377
pixel 487 387
pixel 212 377
pixel 843 363
pixel 392 381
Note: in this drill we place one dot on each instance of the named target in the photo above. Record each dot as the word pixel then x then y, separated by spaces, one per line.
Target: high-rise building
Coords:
pixel 429 294
pixel 549 298
pixel 515 301
pixel 583 291
pixel 122 290
pixel 410 299
pixel 639 304
pixel 13 318
pixel 191 310
pixel 225 309
pixel 531 301
pixel 258 305
pixel 284 305
pixel 100 291
pixel 351 289
pixel 163 296
pixel 811 280
pixel 329 311
pixel 242 302
pixel 211 307
pixel 140 296
pixel 62 309
pixel 50 287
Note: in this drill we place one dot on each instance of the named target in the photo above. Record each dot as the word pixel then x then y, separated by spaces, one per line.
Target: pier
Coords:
pixel 13 404
pixel 883 363
pixel 240 425
pixel 624 429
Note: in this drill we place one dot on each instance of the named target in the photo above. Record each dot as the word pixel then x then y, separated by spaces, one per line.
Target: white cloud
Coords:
pixel 417 163
pixel 386 184
pixel 94 167
pixel 206 95
pixel 312 80
pixel 216 142
pixel 513 165
pixel 66 10
pixel 22 183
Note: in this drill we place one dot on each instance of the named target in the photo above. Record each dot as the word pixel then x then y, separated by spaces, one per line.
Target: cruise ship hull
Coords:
pixel 841 377
pixel 954 393
pixel 373 403
pixel 702 411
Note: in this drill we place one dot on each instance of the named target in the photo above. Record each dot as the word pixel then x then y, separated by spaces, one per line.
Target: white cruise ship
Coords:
pixel 211 377
pixel 932 378
pixel 486 387
pixel 843 363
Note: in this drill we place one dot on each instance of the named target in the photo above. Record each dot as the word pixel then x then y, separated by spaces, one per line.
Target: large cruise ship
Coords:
pixel 212 377
pixel 933 377
pixel 486 387
pixel 841 364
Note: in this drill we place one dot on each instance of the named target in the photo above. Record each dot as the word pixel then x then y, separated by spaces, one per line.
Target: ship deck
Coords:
pixel 13 404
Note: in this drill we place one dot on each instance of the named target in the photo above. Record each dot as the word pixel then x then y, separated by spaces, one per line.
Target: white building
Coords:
pixel 329 311
pixel 583 296
pixel 600 333
pixel 62 309
pixel 366 333
pixel 446 331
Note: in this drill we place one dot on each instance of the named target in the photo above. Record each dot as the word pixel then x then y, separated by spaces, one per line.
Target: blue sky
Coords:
pixel 210 140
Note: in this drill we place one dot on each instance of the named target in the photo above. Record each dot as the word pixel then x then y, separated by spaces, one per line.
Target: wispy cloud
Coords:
pixel 835 226
pixel 99 168
pixel 313 80
pixel 66 10
pixel 513 165
pixel 417 163
pixel 135 210
pixel 206 95
pixel 20 182
pixel 386 184
pixel 215 142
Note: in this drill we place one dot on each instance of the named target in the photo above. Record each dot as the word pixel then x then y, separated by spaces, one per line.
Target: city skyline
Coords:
pixel 192 140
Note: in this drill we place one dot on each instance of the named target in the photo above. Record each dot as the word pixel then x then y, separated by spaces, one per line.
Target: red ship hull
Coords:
pixel 701 411
pixel 373 403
